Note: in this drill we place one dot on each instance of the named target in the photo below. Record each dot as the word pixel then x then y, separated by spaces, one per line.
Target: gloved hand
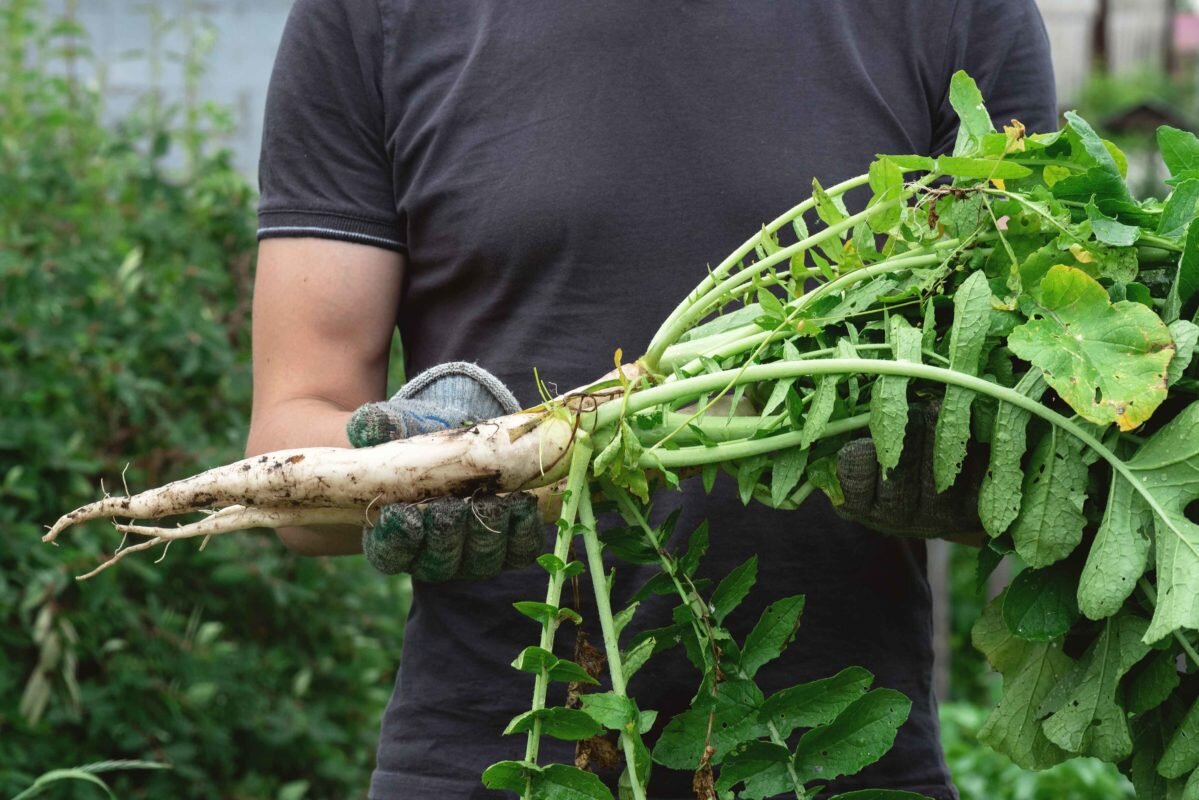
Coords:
pixel 906 502
pixel 448 537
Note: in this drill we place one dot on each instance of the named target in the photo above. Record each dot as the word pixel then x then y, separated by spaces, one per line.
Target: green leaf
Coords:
pixel 858 737
pixel 1050 523
pixel 1030 671
pixel 1118 555
pixel 1094 146
pixel 774 631
pixel 975 123
pixel 635 657
pixel 611 710
pixel 1150 732
pixel 880 794
pixel 761 766
pixel 1179 210
pixel 1186 337
pixel 1002 487
pixel 786 469
pixel 570 724
pixel 911 163
pixel 622 618
pixel 1179 149
pixel 1089 719
pixel 509 775
pixel 697 545
pixel 971 321
pixel 733 588
pixel 815 703
pixel 1168 467
pixel 1151 682
pixel 563 782
pixel 826 208
pixel 889 398
pixel 823 474
pixel 1182 749
pixel 1040 604
pixel 886 182
pixel 1107 360
pixel 1109 231
pixel 1188 267
pixel 543 612
pixel 820 410
pixel 984 168
pixel 737 701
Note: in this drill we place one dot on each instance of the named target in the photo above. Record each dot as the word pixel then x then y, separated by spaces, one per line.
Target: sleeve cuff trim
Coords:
pixel 316 230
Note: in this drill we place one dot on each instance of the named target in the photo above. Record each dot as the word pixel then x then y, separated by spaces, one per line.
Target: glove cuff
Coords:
pixel 461 384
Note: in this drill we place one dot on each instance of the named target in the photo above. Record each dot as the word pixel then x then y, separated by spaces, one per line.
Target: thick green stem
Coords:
pixel 576 488
pixel 796 783
pixel 603 607
pixel 744 448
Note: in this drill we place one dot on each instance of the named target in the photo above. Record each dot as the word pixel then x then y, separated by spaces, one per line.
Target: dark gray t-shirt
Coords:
pixel 558 175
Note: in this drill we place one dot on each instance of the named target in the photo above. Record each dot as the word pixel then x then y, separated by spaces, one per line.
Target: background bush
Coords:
pixel 124 334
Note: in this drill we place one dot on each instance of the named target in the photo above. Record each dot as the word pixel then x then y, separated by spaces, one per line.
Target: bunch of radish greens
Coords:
pixel 1018 283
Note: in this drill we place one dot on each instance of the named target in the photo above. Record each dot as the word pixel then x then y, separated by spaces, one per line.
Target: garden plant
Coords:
pixel 1017 286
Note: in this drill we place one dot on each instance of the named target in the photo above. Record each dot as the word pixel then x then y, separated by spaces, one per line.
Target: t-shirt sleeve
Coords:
pixel 1003 45
pixel 325 170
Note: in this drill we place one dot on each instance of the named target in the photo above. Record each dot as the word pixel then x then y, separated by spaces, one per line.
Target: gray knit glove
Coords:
pixel 447 537
pixel 906 502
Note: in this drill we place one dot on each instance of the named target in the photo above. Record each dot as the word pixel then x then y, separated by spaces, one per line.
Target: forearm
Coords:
pixel 306 422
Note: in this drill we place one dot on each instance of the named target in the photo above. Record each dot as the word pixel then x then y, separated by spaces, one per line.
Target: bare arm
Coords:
pixel 324 313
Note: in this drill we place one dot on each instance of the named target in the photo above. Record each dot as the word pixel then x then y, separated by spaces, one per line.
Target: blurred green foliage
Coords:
pixel 124 340
pixel 982 774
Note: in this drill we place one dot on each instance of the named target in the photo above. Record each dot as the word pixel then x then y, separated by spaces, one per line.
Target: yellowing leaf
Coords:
pixel 1107 360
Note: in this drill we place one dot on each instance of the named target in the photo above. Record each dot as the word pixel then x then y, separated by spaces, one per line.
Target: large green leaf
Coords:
pixel 774 631
pixel 1118 555
pixel 1087 718
pixel 1107 360
pixel 570 724
pixel 816 702
pixel 761 766
pixel 1150 733
pixel 1050 523
pixel 681 744
pixel 1002 486
pixel 1181 755
pixel 858 737
pixel 1167 465
pixel 971 321
pixel 1180 149
pixel 1040 604
pixel 1030 671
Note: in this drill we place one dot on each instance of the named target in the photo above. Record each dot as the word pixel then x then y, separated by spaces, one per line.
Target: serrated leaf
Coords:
pixel 509 775
pixel 681 744
pixel 697 546
pixel 828 211
pixel 886 183
pixel 1050 523
pixel 971 321
pixel 889 398
pixel 1179 149
pixel 1030 671
pixel 1040 604
pixel 1107 360
pixel 1093 144
pixel 570 724
pixel 1002 488
pixel 820 410
pixel 1179 210
pixel 773 632
pixel 786 470
pixel 981 168
pixel 1118 555
pixel 975 123
pixel 815 703
pixel 635 657
pixel 564 782
pixel 610 709
pixel 858 737
pixel 761 766
pixel 733 588
pixel 1109 231
pixel 1090 720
